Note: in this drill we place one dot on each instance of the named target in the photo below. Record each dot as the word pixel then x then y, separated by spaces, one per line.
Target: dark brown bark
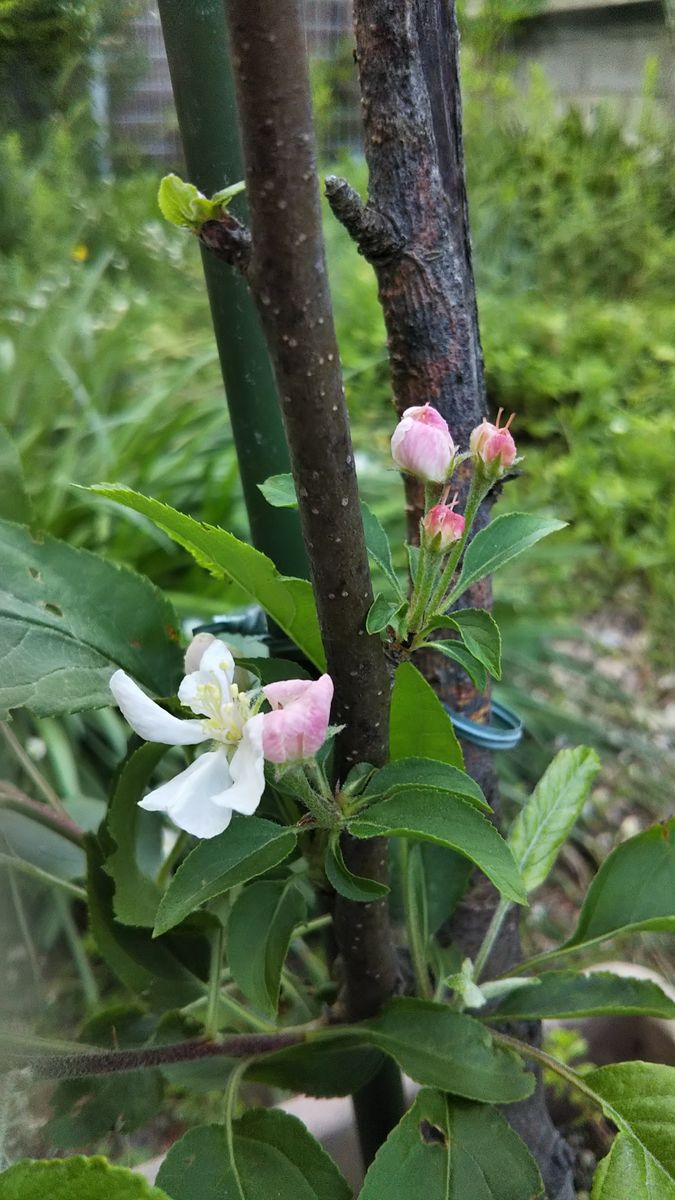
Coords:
pixel 415 232
pixel 288 278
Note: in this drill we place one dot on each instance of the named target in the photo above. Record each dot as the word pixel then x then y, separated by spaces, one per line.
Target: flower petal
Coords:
pixel 285 691
pixel 247 768
pixel 189 798
pixel 149 720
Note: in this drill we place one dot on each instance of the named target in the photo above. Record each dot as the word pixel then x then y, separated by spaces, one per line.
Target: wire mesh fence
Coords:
pixel 144 121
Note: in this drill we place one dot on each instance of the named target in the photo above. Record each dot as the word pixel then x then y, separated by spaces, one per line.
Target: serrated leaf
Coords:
pixel 480 634
pixel 548 816
pixel 419 726
pixel 425 772
pixel 269 1154
pixel 70 1178
pixel 502 540
pixel 289 602
pixel 147 967
pixel 320 1068
pixel 382 613
pixel 568 994
pixel 68 618
pixel 259 932
pixel 448 1149
pixel 639 1098
pixel 425 814
pixel 248 847
pixel 459 654
pixel 448 1050
pixel 634 889
pixel 136 896
pixel 354 887
pixel 279 491
pixel 629 1172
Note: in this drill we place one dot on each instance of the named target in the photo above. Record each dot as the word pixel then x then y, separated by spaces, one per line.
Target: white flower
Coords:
pixel 227 779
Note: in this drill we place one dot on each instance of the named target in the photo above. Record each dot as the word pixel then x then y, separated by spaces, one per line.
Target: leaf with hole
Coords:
pixel 567 994
pixel 268 1154
pixel 248 847
pixel 426 814
pixel 259 933
pixel 546 819
pixel 502 540
pixel 68 619
pixel 449 1149
pixel 419 725
pixel 289 602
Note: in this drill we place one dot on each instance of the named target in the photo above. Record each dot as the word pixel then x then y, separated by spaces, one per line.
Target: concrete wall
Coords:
pixel 598 52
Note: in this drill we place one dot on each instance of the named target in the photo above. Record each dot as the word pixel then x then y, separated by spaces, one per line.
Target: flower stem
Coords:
pixel 491 935
pixel 475 498
pixel 427 574
pixel 211 1022
pixel 415 920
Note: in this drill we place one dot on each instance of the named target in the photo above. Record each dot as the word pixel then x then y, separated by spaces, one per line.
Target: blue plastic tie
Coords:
pixel 503 733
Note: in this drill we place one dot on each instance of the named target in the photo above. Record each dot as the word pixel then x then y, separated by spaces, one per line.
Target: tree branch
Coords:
pixel 288 278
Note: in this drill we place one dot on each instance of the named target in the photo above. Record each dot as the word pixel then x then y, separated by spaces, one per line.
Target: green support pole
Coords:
pixel 196 41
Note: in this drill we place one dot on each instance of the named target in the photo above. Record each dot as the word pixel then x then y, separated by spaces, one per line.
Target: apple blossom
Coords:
pixel 422 445
pixel 297 726
pixel 494 446
pixel 227 779
pixel 442 527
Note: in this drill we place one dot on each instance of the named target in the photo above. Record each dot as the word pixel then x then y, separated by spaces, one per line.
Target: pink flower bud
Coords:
pixel 422 444
pixel 442 526
pixel 494 447
pixel 298 724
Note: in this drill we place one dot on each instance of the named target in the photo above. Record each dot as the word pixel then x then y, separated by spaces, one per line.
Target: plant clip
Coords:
pixel 503 733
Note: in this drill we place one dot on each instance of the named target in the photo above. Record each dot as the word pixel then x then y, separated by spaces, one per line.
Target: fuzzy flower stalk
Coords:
pixel 230 777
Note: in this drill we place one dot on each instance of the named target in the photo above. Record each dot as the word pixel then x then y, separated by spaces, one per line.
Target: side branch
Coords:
pixel 109 1062
pixel 375 235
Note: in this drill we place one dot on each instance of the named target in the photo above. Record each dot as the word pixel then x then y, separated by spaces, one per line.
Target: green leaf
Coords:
pixel 354 887
pixel 147 967
pixel 459 654
pixel 136 895
pixel 629 1172
pixel 639 1098
pixel 503 539
pixel 227 194
pixel 279 491
pixel 446 1149
pixel 447 875
pixel 567 994
pixel 74 1179
pixel 480 634
pixel 634 889
pixel 289 602
pixel 14 502
pixel 429 815
pixel 184 205
pixel 259 933
pixel 248 847
pixel 270 1155
pixel 68 618
pixel 320 1068
pixel 419 725
pixel 449 1050
pixel 425 772
pixel 40 845
pixel 382 613
pixel 546 819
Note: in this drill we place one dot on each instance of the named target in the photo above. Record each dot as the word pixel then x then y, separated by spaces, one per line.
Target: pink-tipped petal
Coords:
pixel 297 729
pixel 285 691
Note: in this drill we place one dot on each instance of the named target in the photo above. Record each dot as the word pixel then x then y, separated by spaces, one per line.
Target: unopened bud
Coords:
pixel 494 446
pixel 442 527
pixel 422 444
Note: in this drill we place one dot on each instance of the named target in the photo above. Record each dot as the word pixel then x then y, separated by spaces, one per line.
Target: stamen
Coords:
pixel 511 418
pixel 499 417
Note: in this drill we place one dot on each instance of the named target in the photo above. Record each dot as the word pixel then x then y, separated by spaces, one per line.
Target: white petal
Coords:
pixel 151 721
pixel 247 768
pixel 189 798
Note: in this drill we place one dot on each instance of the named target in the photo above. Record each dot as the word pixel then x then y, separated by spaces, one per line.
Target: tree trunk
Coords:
pixel 415 232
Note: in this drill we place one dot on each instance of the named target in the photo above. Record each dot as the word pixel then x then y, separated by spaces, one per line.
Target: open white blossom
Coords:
pixel 229 778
